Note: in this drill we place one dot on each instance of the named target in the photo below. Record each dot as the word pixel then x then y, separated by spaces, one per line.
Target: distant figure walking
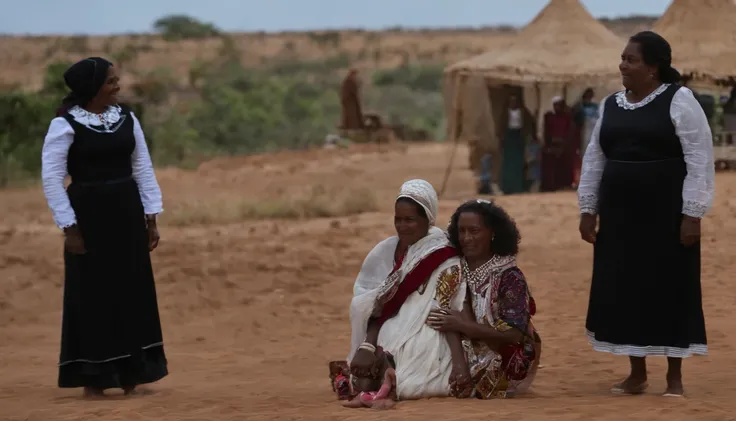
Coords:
pixel 352 112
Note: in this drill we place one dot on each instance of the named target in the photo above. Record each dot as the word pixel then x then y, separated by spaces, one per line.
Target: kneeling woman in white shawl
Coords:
pixel 401 280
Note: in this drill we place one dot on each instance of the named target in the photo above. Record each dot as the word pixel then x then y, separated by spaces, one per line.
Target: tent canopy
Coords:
pixel 563 43
pixel 702 34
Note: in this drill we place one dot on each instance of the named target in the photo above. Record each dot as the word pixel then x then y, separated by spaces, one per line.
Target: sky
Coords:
pixel 39 17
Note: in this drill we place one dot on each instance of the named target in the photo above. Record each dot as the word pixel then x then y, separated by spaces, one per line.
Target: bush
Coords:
pixel 415 77
pixel 24 120
pixel 229 109
pixel 178 27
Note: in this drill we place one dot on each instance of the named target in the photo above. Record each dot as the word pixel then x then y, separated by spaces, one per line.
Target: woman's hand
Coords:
pixel 689 230
pixel 73 241
pixel 461 384
pixel 445 320
pixel 587 227
pixel 363 364
pixel 153 235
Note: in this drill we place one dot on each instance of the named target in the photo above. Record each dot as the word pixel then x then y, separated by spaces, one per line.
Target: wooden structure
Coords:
pixel 374 131
pixel 724 151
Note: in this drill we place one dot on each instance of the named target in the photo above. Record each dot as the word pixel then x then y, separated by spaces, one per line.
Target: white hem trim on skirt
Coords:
pixel 646 351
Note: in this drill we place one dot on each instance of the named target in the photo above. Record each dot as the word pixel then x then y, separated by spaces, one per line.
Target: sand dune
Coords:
pixel 253 310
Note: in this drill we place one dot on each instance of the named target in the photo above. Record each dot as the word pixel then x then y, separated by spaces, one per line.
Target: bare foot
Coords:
pixel 383 404
pixel 91 392
pixel 133 391
pixel 631 386
pixel 674 388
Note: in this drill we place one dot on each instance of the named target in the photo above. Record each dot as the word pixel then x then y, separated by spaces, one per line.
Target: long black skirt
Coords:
pixel 645 297
pixel 111 332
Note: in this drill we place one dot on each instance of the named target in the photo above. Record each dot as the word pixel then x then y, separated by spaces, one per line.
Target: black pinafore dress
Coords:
pixel 645 296
pixel 111 333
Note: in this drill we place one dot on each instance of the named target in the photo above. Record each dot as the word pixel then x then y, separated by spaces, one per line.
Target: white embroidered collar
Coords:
pixel 106 119
pixel 624 103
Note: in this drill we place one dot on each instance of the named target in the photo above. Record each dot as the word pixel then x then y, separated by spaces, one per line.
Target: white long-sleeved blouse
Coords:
pixel 59 139
pixel 691 126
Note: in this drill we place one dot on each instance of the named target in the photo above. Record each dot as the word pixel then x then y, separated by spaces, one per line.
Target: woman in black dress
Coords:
pixel 111 333
pixel 647 181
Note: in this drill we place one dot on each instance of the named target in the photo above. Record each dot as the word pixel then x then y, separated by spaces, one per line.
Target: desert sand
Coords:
pixel 252 311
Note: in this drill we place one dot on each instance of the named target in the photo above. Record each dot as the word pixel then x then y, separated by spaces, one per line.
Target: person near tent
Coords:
pixel 352 112
pixel 516 130
pixel 558 158
pixel 585 113
pixel 729 118
pixel 485 178
pixel 533 164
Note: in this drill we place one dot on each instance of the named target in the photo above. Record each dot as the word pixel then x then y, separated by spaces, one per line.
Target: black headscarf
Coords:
pixel 84 78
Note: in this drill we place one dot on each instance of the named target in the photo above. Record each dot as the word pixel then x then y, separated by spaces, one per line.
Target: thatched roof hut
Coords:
pixel 564 42
pixel 703 38
pixel 561 52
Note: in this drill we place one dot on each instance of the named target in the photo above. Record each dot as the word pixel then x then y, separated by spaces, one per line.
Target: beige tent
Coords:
pixel 561 52
pixel 703 38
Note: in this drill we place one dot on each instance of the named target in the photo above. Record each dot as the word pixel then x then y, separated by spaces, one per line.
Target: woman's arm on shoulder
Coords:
pixel 451 294
pixel 691 126
pixel 54 154
pixel 143 172
pixel 592 169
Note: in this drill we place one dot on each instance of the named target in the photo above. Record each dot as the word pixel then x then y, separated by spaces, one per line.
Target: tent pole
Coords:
pixel 455 131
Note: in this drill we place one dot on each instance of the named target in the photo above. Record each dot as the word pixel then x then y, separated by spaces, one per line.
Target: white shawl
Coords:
pixel 422 355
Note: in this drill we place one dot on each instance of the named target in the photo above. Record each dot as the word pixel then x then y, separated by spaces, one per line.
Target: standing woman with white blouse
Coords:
pixel 111 333
pixel 647 180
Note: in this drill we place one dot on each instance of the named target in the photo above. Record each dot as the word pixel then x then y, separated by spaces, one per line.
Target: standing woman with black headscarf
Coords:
pixel 111 332
pixel 647 180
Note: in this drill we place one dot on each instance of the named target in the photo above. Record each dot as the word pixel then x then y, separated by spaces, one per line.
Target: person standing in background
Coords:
pixel 729 118
pixel 516 131
pixel 352 111
pixel 586 115
pixel 557 162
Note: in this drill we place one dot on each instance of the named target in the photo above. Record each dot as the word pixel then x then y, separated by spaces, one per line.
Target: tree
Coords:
pixel 178 27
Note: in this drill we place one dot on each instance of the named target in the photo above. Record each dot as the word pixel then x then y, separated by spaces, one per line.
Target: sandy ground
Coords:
pixel 253 311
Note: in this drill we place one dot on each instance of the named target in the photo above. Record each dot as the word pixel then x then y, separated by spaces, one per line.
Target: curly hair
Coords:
pixel 506 236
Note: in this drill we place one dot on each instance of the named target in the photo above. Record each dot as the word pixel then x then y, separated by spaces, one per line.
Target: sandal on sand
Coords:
pixel 618 389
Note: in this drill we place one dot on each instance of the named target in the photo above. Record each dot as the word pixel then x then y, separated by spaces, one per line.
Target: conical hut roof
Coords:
pixel 564 42
pixel 702 34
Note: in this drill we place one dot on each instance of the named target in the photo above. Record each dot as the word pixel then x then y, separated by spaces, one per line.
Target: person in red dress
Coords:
pixel 561 149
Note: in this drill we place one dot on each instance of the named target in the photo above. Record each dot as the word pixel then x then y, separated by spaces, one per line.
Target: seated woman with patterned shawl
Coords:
pixel 500 341
pixel 401 280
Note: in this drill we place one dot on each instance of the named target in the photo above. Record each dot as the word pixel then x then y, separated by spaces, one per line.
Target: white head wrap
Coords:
pixel 557 99
pixel 421 192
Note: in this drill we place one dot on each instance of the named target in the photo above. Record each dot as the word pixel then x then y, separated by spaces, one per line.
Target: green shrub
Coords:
pixel 413 76
pixel 229 109
pixel 178 27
